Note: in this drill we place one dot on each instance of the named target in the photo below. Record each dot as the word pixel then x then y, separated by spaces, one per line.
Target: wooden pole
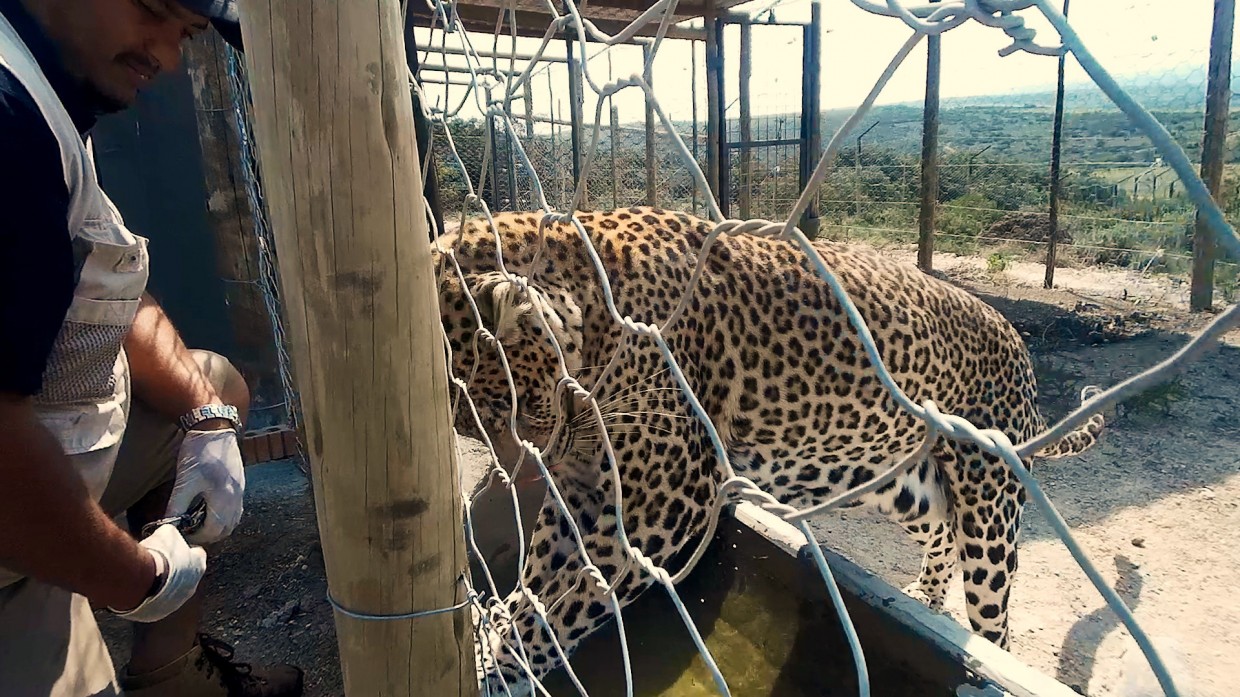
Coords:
pixel 491 164
pixel 337 147
pixel 745 191
pixel 725 152
pixel 652 183
pixel 714 98
pixel 528 91
pixel 231 218
pixel 1213 150
pixel 693 89
pixel 575 102
pixel 746 124
pixel 615 140
pixel 929 156
pixel 811 112
pixel 430 172
pixel 1056 151
pixel 514 196
pixel 559 173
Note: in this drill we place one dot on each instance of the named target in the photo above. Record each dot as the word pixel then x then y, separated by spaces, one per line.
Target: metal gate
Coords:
pixel 769 156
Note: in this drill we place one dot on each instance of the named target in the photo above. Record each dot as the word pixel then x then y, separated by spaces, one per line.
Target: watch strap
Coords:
pixel 205 412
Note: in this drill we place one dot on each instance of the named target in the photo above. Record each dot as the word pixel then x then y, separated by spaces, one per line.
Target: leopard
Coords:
pixel 548 352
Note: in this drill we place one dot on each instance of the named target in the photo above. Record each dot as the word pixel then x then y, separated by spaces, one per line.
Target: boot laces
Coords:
pixel 218 656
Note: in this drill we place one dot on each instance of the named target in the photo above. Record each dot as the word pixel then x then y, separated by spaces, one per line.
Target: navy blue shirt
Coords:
pixel 37 281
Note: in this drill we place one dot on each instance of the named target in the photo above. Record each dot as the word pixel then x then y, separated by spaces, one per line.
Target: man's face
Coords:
pixel 118 46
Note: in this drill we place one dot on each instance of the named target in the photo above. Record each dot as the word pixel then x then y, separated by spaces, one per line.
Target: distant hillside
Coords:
pixel 1182 88
pixel 1016 127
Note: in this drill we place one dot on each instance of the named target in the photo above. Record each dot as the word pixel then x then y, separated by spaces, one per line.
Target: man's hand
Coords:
pixel 166 378
pixel 210 465
pixel 178 569
pixel 50 527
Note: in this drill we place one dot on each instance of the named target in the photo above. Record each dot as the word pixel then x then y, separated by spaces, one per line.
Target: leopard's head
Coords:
pixel 527 323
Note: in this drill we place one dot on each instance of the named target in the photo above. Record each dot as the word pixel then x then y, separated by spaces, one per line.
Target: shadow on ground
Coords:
pixel 1078 654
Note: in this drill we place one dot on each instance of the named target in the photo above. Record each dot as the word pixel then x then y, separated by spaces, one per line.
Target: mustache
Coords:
pixel 144 62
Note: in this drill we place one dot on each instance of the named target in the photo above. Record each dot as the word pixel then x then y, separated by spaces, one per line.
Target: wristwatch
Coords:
pixel 197 415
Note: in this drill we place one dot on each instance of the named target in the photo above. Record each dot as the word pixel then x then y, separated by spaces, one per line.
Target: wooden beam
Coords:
pixel 435 80
pixel 500 55
pixel 337 148
pixel 595 10
pixel 533 24
pixel 464 70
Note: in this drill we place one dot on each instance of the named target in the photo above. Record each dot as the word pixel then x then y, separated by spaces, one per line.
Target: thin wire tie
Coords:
pixel 402 616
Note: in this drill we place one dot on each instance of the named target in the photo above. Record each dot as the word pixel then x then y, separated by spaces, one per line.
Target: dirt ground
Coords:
pixel 1153 505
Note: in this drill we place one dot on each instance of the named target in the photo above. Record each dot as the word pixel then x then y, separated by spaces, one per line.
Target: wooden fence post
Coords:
pixel 1056 154
pixel 615 139
pixel 337 147
pixel 652 182
pixel 811 114
pixel 693 92
pixel 575 102
pixel 232 221
pixel 1213 149
pixel 929 155
pixel 745 188
pixel 424 128
pixel 716 115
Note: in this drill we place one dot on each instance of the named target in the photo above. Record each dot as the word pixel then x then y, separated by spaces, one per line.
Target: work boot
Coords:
pixel 208 670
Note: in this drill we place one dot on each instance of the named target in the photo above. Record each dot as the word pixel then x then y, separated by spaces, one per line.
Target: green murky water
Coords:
pixel 771 632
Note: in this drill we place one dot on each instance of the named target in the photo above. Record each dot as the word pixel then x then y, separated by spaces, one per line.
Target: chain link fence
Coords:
pixel 617 179
pixel 1120 205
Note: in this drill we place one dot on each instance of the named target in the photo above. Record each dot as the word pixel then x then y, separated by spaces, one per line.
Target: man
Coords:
pixel 103 410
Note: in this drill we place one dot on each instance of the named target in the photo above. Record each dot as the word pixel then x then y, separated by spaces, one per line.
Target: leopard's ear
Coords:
pixel 506 309
pixel 501 303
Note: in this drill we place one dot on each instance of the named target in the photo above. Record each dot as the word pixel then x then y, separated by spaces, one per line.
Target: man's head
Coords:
pixel 116 47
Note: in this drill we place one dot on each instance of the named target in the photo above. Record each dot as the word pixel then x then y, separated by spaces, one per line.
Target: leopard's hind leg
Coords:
pixel 987 503
pixel 920 505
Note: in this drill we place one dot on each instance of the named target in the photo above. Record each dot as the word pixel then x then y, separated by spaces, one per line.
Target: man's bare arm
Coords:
pixel 163 372
pixel 50 528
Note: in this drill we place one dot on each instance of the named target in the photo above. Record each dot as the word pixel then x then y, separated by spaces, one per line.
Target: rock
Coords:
pixel 284 614
pixel 1138 542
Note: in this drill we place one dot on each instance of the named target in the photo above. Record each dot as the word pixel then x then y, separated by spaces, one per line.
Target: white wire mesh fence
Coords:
pixel 511 166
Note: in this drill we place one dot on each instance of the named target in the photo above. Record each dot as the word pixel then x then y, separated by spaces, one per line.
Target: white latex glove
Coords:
pixel 182 567
pixel 209 464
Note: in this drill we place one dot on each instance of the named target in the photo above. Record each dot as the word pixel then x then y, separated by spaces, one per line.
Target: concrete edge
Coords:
pixel 974 653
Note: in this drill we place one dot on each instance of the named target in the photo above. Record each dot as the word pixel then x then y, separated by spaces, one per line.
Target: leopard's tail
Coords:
pixel 1080 439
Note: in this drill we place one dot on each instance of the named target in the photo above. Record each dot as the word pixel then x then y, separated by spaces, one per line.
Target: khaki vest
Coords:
pixel 85 397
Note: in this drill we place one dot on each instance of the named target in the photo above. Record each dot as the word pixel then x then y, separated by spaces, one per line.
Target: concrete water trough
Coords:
pixel 763 610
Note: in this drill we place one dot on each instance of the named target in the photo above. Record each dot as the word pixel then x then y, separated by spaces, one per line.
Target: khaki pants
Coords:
pixel 50 645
